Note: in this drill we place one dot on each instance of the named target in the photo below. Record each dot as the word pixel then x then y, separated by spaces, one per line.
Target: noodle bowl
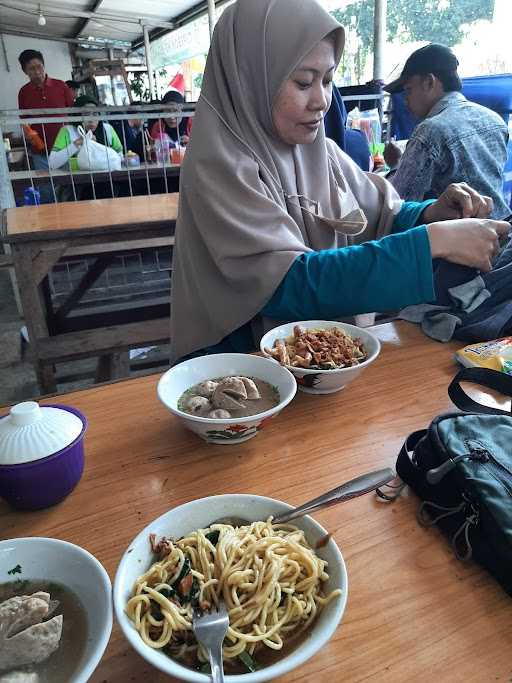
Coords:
pixel 269 577
pixel 183 523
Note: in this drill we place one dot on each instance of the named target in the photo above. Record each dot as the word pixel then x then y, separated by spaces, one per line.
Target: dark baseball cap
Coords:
pixel 431 59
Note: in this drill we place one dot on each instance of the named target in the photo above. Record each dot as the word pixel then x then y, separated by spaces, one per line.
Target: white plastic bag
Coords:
pixel 96 157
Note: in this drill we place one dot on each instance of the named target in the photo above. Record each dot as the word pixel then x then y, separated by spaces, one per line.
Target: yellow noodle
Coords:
pixel 269 577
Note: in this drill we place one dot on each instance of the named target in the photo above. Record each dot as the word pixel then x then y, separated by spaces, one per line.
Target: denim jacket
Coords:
pixel 458 141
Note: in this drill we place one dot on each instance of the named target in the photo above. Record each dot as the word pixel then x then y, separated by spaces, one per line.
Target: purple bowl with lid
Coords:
pixel 41 454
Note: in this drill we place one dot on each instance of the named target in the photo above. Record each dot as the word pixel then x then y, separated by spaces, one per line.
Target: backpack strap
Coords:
pixel 406 469
pixel 491 379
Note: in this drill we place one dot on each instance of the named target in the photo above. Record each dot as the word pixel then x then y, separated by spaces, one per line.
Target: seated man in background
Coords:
pixel 42 92
pixel 130 133
pixel 456 140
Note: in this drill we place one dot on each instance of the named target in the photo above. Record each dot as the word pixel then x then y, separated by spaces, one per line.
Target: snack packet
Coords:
pixel 496 355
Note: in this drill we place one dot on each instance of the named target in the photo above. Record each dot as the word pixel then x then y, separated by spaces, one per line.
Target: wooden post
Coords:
pixel 211 16
pixel 379 38
pixel 149 66
pixel 7 201
pixel 6 192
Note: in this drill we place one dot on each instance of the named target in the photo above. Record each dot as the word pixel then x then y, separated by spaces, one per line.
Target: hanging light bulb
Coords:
pixel 41 19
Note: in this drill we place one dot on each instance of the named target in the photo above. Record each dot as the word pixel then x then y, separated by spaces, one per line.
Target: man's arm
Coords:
pixel 413 178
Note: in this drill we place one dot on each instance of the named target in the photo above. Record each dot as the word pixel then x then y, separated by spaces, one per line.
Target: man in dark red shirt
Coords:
pixel 42 92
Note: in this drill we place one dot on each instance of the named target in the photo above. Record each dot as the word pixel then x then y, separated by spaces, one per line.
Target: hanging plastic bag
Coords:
pixel 96 157
pixel 368 121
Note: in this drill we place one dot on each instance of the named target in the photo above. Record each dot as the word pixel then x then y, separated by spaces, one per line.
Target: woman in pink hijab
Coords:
pixel 275 221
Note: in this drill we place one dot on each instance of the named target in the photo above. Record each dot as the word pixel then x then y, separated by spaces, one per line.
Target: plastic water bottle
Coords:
pixel 162 147
pixel 31 196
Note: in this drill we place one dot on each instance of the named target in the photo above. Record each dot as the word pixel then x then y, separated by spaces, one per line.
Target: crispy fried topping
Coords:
pixel 318 349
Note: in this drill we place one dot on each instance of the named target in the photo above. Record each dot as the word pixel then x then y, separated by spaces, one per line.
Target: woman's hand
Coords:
pixel 79 142
pixel 470 242
pixel 459 200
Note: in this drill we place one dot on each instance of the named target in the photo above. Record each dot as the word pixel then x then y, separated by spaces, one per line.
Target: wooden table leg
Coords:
pixel 113 366
pixel 33 311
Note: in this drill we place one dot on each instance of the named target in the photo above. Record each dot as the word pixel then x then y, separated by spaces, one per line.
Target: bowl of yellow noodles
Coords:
pixel 284 595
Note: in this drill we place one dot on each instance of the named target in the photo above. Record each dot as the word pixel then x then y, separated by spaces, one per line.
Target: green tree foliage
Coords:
pixel 439 21
pixel 139 86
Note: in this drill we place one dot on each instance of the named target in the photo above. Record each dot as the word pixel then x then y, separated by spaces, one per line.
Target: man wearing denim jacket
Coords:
pixel 456 140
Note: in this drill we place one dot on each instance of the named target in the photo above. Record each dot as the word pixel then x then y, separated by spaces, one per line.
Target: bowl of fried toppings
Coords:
pixel 325 356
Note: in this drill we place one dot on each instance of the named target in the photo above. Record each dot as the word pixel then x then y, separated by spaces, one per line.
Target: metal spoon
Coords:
pixel 351 489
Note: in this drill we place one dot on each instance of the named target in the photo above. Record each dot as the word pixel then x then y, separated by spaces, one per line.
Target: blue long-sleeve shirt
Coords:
pixel 383 275
pixel 376 276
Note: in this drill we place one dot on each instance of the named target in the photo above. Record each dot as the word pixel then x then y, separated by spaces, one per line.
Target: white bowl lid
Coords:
pixel 32 432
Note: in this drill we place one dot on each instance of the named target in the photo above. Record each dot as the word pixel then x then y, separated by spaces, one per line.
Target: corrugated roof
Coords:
pixel 94 20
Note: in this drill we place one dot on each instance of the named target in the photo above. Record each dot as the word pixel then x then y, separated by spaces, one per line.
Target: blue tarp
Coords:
pixel 494 92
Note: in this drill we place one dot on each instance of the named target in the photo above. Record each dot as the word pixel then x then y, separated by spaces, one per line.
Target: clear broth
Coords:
pixel 63 663
pixel 269 399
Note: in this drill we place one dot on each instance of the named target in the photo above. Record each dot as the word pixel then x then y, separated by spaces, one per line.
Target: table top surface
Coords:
pixel 414 612
pixel 90 214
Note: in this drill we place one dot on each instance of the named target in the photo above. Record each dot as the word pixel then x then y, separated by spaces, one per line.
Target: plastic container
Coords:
pixel 162 147
pixel 31 196
pixel 132 160
pixel 41 454
pixel 177 154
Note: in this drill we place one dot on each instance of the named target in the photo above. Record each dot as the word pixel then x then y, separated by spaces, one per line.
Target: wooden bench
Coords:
pixel 38 236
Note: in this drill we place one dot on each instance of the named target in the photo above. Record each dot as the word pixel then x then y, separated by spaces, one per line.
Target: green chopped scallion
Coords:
pixel 247 661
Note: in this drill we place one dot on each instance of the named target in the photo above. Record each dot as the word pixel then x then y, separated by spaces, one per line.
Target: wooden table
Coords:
pixel 414 612
pixel 39 236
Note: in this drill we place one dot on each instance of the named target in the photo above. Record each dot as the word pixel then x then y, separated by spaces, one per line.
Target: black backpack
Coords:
pixel 461 468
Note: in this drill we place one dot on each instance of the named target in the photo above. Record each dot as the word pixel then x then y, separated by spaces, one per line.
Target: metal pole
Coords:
pixel 6 59
pixel 379 38
pixel 211 16
pixel 7 201
pixel 149 67
pixel 6 192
